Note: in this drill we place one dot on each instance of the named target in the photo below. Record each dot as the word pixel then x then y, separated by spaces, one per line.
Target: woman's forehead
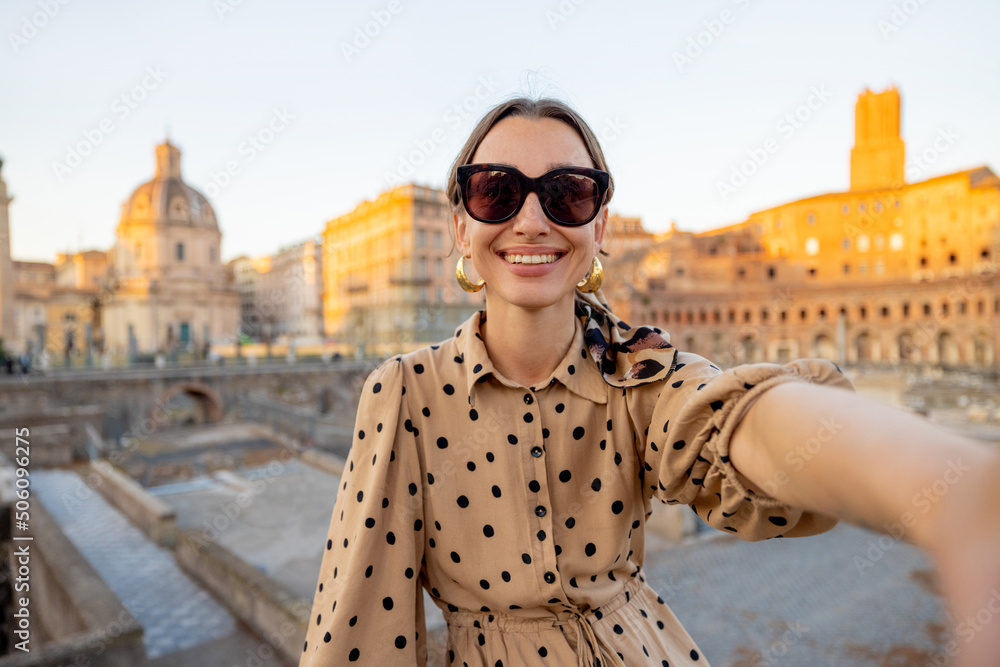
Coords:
pixel 533 144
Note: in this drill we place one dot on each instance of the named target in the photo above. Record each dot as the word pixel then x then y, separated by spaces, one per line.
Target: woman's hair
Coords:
pixel 532 109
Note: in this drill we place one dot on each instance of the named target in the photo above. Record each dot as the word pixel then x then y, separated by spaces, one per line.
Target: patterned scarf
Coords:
pixel 626 356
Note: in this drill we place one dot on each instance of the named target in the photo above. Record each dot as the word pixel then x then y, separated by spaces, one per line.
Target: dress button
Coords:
pixel 528 400
pixel 549 577
pixel 540 510
pixel 536 451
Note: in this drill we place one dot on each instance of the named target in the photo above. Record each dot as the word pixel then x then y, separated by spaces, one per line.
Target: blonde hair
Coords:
pixel 533 109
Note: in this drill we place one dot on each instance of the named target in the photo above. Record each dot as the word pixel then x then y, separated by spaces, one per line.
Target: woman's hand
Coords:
pixel 968 558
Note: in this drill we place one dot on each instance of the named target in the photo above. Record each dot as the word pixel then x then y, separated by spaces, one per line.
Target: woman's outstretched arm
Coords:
pixel 834 452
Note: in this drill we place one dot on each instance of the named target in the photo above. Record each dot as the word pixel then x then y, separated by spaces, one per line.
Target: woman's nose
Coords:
pixel 531 220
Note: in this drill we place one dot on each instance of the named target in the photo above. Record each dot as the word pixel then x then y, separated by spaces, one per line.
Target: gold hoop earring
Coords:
pixel 593 281
pixel 463 280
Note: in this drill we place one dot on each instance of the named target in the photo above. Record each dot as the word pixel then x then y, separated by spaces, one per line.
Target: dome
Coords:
pixel 167 199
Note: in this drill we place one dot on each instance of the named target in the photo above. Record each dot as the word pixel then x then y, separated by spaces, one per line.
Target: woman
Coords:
pixel 510 469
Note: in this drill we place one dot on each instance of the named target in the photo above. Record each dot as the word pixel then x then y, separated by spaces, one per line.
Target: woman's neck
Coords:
pixel 526 345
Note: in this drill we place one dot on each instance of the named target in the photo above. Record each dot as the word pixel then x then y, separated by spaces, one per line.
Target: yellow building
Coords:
pixel 900 268
pixel 57 307
pixel 389 273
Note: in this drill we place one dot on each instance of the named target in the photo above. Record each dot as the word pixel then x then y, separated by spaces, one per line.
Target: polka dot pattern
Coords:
pixel 497 497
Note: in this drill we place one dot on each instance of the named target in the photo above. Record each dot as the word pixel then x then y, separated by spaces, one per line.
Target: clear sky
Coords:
pixel 682 93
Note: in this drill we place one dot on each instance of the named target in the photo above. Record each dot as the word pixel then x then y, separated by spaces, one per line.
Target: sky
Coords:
pixel 291 113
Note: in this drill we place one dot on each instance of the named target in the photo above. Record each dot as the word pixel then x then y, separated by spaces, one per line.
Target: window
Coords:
pixel 846 209
pixel 984 253
pixel 180 252
pixel 923 261
pixel 437 239
pixel 811 219
pixel 731 316
pixel 847 269
pixel 741 272
pixel 784 316
pixel 763 315
pixel 927 309
pixel 885 311
pixel 845 243
pixel 863 312
pixel 906 310
pixel 770 272
pixel 438 268
pixel 864 243
pixel 896 241
pixel 944 308
pixel 812 272
pixel 421 238
pixel 803 314
pixel 960 306
pixel 822 314
pixel 952 258
pixel 746 315
pixel 812 246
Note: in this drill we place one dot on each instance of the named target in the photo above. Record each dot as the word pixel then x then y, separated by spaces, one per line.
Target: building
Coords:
pixel 900 268
pixel 281 295
pixel 168 288
pixel 389 273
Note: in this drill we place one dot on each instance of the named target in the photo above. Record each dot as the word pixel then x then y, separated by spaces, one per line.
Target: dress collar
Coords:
pixel 619 355
pixel 576 371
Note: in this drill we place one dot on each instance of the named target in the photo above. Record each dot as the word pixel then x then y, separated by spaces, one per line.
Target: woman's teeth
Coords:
pixel 530 259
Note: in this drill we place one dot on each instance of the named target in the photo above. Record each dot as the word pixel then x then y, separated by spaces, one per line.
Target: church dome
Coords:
pixel 167 199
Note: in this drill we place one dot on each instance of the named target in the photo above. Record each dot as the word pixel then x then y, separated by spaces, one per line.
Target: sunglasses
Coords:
pixel 570 196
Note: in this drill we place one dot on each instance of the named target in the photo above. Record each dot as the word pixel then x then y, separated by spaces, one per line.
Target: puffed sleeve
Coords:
pixel 368 606
pixel 685 451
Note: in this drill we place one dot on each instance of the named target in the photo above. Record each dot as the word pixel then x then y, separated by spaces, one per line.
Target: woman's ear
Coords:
pixel 599 226
pixel 461 233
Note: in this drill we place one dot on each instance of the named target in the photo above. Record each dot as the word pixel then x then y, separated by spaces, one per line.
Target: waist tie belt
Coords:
pixel 588 648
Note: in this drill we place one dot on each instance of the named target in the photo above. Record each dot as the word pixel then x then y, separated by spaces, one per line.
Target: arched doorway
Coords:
pixel 948 352
pixel 909 353
pixel 863 348
pixel 823 347
pixel 982 352
pixel 188 404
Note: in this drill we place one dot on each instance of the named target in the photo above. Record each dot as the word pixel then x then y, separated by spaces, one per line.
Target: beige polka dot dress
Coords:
pixel 521 509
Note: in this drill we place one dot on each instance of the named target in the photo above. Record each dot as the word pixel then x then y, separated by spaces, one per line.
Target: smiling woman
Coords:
pixel 510 469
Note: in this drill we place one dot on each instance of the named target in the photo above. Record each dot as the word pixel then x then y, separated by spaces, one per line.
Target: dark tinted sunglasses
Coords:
pixel 570 196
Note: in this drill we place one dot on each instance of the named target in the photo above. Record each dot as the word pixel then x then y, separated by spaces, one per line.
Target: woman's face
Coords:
pixel 534 147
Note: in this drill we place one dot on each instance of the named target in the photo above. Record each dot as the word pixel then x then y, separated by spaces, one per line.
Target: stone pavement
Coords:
pixel 826 601
pixel 174 611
